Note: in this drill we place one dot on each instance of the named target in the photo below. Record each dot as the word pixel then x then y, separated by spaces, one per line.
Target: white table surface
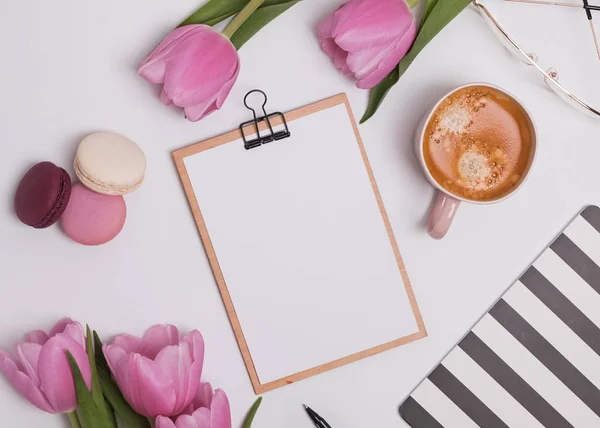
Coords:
pixel 69 69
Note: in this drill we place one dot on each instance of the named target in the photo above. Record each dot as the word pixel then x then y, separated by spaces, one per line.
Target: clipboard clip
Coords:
pixel 265 138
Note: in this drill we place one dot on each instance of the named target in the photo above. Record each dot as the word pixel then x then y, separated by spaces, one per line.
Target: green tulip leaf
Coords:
pixel 97 395
pixel 127 416
pixel 215 11
pixel 88 412
pixel 438 13
pixel 257 21
pixel 101 362
pixel 252 413
pixel 429 4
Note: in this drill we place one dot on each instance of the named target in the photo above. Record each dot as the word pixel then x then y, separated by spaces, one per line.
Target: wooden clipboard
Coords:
pixel 235 135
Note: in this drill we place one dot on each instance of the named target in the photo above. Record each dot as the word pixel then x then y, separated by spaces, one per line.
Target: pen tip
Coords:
pixel 305 406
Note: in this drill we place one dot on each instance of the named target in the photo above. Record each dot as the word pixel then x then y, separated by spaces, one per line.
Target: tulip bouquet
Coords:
pixel 131 382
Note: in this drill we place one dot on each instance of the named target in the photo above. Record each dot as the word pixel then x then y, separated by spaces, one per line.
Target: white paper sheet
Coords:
pixel 302 245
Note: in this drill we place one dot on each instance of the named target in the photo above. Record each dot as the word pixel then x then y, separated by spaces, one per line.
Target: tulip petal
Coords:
pixel 329 47
pixel 224 92
pixel 173 38
pixel 156 338
pixel 196 341
pixel 337 54
pixel 164 422
pixel 176 363
pixel 325 30
pixel 75 331
pixel 128 342
pixel 365 24
pixel 37 336
pixel 200 111
pixel 154 66
pixel 186 421
pixel 113 355
pixel 147 389
pixel 164 97
pixel 153 71
pixel 199 67
pixel 369 79
pixel 201 417
pixel 340 59
pixel 204 396
pixel 24 384
pixel 364 63
pixel 220 412
pixel 196 346
pixel 56 378
pixel 29 354
pixel 341 16
pixel 60 326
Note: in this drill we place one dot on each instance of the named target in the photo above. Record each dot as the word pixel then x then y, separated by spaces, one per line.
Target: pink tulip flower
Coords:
pixel 208 410
pixel 41 371
pixel 368 38
pixel 198 67
pixel 158 374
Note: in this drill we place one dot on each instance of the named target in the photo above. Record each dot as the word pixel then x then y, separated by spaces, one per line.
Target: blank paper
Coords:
pixel 302 245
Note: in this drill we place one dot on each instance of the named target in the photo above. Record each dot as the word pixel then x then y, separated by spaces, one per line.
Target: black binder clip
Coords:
pixel 272 135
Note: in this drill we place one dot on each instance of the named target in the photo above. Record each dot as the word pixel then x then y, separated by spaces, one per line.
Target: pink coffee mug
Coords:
pixel 446 202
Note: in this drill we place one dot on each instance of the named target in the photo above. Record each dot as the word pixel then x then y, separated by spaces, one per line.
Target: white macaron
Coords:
pixel 110 163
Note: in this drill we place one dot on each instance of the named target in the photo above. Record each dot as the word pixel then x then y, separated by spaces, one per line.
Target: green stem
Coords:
pixel 412 3
pixel 241 17
pixel 74 419
pixel 252 413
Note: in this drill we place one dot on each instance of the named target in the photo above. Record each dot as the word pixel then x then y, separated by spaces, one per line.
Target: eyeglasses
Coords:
pixel 550 76
pixel 585 6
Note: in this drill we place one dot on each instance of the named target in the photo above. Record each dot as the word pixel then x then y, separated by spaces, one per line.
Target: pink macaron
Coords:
pixel 93 218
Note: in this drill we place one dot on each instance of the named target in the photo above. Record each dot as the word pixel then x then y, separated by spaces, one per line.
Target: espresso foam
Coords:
pixel 454 119
pixel 474 170
pixel 478 143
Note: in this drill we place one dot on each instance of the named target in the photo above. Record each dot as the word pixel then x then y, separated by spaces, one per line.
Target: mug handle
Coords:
pixel 441 215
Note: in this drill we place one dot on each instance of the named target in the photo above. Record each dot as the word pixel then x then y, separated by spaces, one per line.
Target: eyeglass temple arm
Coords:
pixel 586 6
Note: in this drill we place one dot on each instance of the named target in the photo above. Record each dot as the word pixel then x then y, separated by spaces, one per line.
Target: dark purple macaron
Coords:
pixel 43 195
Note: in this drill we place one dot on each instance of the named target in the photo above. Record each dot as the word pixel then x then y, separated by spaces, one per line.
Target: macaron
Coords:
pixel 42 195
pixel 93 218
pixel 110 163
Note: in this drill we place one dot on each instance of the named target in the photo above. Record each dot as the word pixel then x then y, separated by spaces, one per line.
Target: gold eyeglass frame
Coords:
pixel 550 76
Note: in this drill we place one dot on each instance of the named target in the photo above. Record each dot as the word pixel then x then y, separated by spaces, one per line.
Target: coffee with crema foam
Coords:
pixel 478 143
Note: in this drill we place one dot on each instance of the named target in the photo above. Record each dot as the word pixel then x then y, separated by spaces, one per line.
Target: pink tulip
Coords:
pixel 368 38
pixel 198 67
pixel 41 371
pixel 158 374
pixel 208 410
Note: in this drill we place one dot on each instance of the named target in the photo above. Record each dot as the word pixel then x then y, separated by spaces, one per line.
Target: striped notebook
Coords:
pixel 534 359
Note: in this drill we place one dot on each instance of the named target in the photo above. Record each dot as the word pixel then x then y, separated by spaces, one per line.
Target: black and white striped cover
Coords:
pixel 534 359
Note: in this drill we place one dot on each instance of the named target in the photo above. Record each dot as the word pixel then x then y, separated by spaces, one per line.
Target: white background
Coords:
pixel 68 69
